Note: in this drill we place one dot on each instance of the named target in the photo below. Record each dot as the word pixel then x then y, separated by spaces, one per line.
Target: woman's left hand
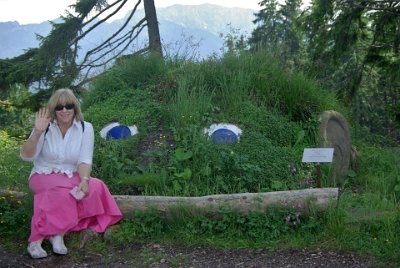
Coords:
pixel 84 186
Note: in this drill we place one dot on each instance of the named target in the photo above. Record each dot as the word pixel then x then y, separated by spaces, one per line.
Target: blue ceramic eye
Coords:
pixel 223 133
pixel 117 131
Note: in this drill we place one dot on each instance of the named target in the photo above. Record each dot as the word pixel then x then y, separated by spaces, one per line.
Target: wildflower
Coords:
pixel 295 223
pixel 298 214
pixel 288 218
pixel 19 202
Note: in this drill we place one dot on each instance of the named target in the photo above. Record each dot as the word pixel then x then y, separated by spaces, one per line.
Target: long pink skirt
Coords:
pixel 57 211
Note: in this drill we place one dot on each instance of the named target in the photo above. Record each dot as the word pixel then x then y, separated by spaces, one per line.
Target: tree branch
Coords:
pixel 100 47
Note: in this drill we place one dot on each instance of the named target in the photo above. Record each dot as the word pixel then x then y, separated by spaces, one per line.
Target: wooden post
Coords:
pixel 318 175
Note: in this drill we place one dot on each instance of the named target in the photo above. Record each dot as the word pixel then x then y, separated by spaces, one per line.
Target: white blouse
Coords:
pixel 63 155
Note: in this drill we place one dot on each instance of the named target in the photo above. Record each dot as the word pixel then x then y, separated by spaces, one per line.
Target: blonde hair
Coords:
pixel 64 95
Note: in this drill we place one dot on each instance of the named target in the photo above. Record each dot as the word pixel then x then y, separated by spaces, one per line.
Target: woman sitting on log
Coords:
pixel 66 198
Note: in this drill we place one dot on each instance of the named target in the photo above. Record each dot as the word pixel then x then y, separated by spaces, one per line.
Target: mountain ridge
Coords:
pixel 205 23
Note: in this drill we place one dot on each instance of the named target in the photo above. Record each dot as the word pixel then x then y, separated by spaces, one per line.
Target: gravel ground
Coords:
pixel 160 256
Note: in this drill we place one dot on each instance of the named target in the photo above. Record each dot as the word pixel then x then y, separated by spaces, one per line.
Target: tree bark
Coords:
pixel 320 199
pixel 13 195
pixel 152 27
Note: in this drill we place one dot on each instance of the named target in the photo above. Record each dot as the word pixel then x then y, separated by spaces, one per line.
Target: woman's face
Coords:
pixel 64 112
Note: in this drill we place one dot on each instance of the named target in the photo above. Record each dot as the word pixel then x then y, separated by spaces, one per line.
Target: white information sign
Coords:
pixel 318 155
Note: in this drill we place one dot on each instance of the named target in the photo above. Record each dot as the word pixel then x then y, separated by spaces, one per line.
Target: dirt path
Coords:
pixel 154 255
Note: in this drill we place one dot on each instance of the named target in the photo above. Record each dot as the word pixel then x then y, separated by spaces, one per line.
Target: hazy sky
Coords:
pixel 35 11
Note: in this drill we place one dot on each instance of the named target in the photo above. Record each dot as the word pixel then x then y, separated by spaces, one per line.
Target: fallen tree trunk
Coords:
pixel 12 194
pixel 319 198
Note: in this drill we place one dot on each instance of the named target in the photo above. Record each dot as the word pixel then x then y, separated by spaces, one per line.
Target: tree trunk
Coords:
pixel 13 195
pixel 152 27
pixel 318 198
pixel 244 202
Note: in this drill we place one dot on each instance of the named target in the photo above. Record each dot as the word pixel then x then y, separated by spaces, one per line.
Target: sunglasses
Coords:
pixel 67 106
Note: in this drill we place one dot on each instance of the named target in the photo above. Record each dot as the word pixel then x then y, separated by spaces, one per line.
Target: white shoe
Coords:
pixel 36 251
pixel 59 247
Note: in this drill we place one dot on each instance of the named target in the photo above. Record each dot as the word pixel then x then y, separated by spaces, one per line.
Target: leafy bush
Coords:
pixel 15 117
pixel 145 225
pixel 113 161
pixel 14 172
pixel 14 215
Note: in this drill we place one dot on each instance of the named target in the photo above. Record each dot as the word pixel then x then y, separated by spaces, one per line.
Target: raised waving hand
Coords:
pixel 42 120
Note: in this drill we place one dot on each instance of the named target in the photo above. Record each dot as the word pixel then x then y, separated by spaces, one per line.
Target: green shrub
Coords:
pixel 14 172
pixel 15 215
pixel 145 225
pixel 15 117
pixel 129 107
pixel 113 160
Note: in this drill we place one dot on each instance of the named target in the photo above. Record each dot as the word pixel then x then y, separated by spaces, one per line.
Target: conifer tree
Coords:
pixel 278 28
pixel 54 63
